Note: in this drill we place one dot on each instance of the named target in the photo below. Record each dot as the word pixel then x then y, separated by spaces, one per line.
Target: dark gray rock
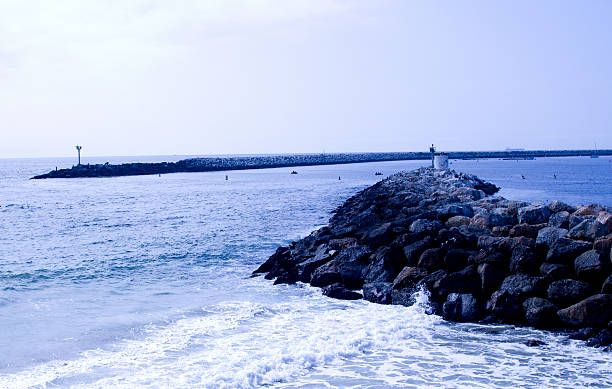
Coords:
pixel 555 271
pixel 464 281
pixel 457 259
pixel 565 250
pixel 540 313
pixel 424 225
pixel 409 277
pixel 431 260
pixel 377 292
pixel 379 235
pixel 403 297
pixel 549 235
pixel 461 307
pixel 523 285
pixel 491 256
pixel 559 220
pixel 574 220
pixel 534 214
pixel 602 339
pixel 594 311
pixel 590 266
pixel 413 251
pixel 588 230
pixel 526 230
pixel 383 266
pixel 490 277
pixel 506 306
pixel 447 211
pixel 501 217
pixel 338 291
pixel 607 285
pixel 524 260
pixel 559 206
pixel 567 292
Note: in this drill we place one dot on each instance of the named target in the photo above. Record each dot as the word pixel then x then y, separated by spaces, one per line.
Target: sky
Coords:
pixel 156 77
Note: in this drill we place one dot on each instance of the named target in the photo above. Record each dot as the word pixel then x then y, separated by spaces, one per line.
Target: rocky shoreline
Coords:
pixel 482 258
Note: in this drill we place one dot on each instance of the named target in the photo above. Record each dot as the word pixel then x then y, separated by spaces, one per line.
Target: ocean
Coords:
pixel 145 281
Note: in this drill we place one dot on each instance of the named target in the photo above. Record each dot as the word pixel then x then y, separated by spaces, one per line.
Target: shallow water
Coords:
pixel 144 281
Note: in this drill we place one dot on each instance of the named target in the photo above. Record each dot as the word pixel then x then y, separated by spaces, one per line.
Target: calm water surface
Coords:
pixel 144 281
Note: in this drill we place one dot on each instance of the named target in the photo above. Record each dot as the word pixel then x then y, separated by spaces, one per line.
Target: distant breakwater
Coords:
pixel 276 161
pixel 482 258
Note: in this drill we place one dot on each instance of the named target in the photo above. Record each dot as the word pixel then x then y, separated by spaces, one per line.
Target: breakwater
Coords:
pixel 295 160
pixel 482 258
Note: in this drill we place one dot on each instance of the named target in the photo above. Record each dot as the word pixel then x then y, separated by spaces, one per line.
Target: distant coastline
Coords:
pixel 264 162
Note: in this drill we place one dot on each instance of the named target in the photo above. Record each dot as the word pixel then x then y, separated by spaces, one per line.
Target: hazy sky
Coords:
pixel 270 76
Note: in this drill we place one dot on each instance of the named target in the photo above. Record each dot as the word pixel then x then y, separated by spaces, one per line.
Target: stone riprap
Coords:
pixel 481 257
pixel 276 161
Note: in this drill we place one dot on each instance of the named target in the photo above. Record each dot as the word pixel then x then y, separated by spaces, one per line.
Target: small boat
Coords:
pixel 378 174
pixel 294 172
pixel 596 153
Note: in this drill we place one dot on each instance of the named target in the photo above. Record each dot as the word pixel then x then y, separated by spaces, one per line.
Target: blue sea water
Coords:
pixel 145 282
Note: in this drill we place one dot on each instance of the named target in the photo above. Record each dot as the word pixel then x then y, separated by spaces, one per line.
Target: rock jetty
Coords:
pixel 294 160
pixel 481 257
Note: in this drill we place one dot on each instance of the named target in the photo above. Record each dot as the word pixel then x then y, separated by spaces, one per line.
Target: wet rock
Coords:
pixel 588 230
pixel 559 220
pixel 603 244
pixel 534 343
pixel 429 280
pixel 278 258
pixel 409 277
pixel 338 291
pixel 377 292
pixel 555 271
pixel 461 307
pixel 565 250
pixel 505 306
pixel 594 311
pixel 602 339
pixel 431 260
pixel 346 268
pixel 379 235
pixel 540 313
pixel 403 297
pixel 490 277
pixel 590 266
pixel 583 333
pixel 491 256
pixel 534 214
pixel 567 291
pixel 523 285
pixel 457 221
pixel 549 235
pixel 343 243
pixel 480 220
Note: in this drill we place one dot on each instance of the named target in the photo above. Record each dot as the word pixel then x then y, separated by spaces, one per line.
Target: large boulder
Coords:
pixel 594 311
pixel 409 277
pixel 565 250
pixel 447 211
pixel 524 260
pixel 377 292
pixel 383 266
pixel 346 268
pixel 607 285
pixel 526 230
pixel 567 292
pixel 605 218
pixel 413 251
pixel 379 235
pixel 559 206
pixel 555 271
pixel 549 235
pixel 464 281
pixel 425 226
pixel 431 260
pixel 338 291
pixel 461 307
pixel 523 285
pixel 540 313
pixel 501 217
pixel 534 214
pixel 588 230
pixel 490 277
pixel 559 219
pixel 505 306
pixel 456 259
pixel 590 266
pixel 457 221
